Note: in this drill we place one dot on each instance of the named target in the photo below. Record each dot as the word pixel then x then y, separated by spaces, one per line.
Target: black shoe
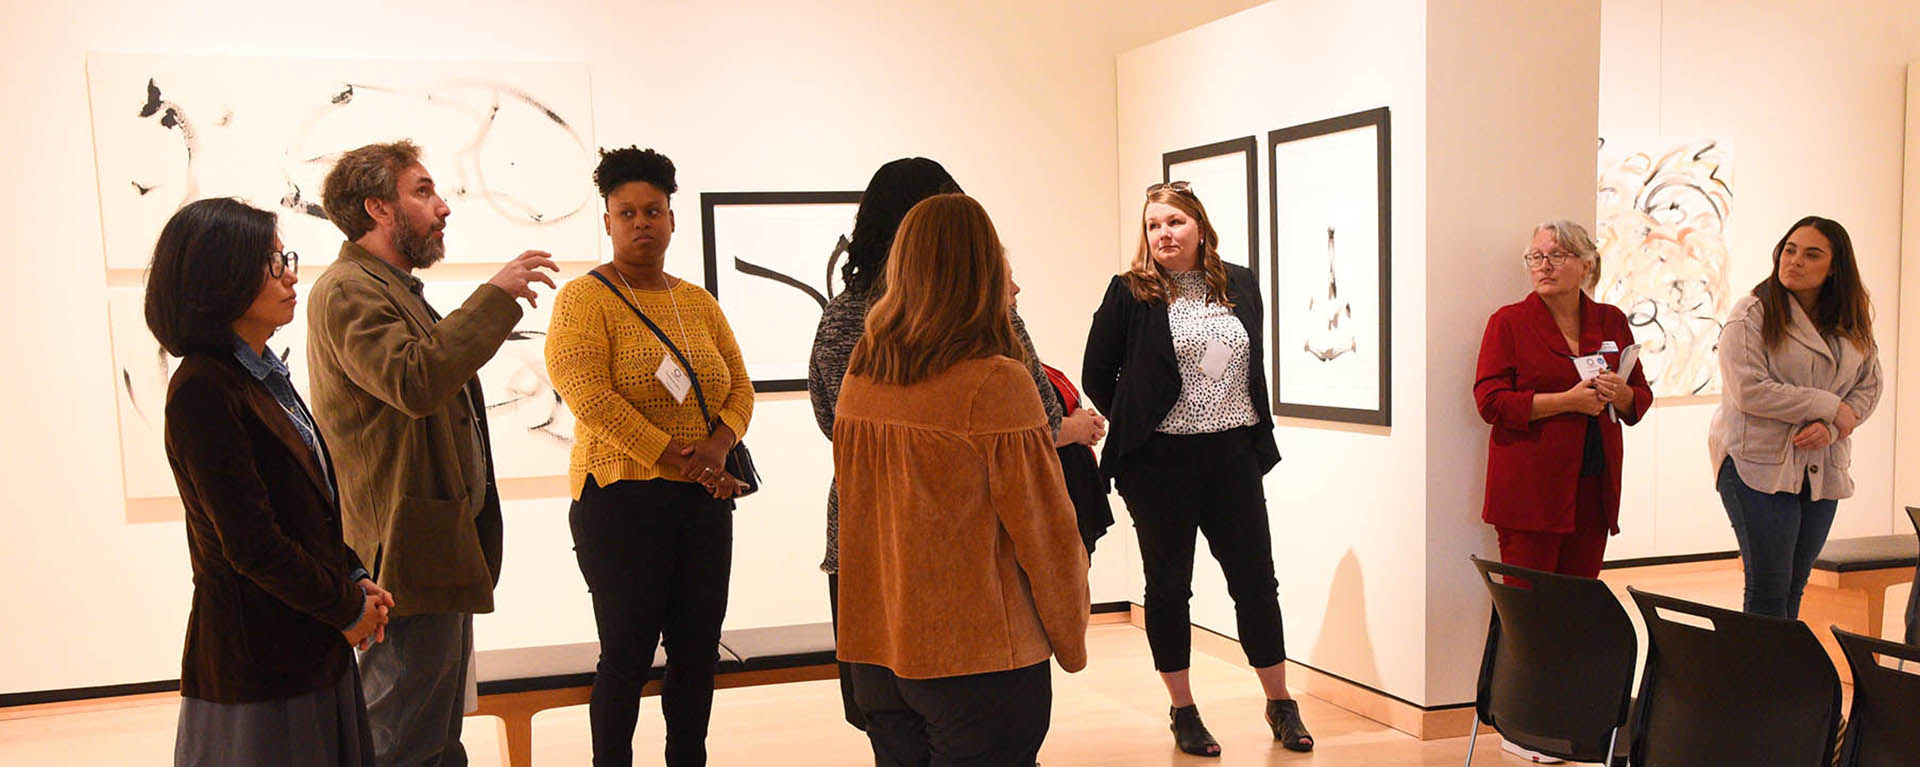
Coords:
pixel 1284 717
pixel 1190 734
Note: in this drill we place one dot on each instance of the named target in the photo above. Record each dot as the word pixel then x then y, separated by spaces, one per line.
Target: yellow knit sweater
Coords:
pixel 603 361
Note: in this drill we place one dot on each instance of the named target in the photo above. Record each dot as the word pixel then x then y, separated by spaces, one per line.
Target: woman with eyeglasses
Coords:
pixel 1800 371
pixel 279 600
pixel 1173 359
pixel 1553 460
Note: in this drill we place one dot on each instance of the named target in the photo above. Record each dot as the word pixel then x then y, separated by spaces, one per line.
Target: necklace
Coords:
pixel 678 322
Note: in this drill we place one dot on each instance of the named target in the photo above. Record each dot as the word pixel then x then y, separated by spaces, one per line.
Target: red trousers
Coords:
pixel 1577 553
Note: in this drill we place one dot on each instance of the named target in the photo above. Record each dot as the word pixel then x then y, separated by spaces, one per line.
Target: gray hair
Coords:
pixel 1573 238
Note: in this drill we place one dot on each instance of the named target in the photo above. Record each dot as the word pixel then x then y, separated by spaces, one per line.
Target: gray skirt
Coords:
pixel 323 728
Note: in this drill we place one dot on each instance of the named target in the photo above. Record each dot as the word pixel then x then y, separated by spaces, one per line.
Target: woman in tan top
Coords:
pixel 652 514
pixel 1800 371
pixel 961 568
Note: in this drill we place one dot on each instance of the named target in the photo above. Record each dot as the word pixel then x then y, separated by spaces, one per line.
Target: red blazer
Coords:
pixel 1533 467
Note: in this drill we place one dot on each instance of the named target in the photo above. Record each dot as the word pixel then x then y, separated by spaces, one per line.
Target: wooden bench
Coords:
pixel 1850 572
pixel 518 683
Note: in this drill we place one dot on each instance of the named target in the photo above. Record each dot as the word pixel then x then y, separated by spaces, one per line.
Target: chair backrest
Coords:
pixel 1558 668
pixel 1723 687
pixel 1883 729
pixel 1913 594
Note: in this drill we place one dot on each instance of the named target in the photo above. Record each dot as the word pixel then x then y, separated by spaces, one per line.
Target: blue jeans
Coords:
pixel 1780 535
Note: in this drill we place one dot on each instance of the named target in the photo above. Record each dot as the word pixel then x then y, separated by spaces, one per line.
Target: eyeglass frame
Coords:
pixel 280 262
pixel 1556 259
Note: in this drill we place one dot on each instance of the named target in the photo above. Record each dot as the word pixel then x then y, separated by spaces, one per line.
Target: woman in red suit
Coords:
pixel 1553 460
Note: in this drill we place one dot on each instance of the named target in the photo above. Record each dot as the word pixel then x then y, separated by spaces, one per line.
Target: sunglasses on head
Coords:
pixel 1177 186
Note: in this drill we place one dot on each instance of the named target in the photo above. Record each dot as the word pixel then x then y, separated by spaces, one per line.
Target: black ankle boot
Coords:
pixel 1190 734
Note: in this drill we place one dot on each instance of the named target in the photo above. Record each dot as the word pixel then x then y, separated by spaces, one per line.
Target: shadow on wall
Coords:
pixel 1345 647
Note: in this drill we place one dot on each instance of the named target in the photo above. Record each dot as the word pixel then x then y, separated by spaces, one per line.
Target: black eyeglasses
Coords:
pixel 1556 259
pixel 1177 186
pixel 280 262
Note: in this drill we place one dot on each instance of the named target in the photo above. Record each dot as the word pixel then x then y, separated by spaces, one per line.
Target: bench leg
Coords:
pixel 518 743
pixel 1876 610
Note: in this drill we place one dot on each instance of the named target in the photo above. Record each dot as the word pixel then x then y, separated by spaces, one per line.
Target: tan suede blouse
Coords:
pixel 958 548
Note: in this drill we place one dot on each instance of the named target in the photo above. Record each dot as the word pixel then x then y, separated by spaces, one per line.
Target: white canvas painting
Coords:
pixel 508 144
pixel 531 429
pixel 1662 224
pixel 773 266
pixel 141 370
pixel 1326 232
pixel 1221 184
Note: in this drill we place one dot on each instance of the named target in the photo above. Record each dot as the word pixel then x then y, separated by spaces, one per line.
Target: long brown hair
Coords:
pixel 1152 282
pixel 1842 308
pixel 947 296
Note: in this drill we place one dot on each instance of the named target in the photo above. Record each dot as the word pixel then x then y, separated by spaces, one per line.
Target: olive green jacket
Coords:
pixel 396 397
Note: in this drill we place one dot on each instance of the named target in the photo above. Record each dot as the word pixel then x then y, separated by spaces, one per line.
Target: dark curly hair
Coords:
pixel 208 265
pixel 629 164
pixel 896 187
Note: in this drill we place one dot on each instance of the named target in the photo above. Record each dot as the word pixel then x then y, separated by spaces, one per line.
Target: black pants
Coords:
pixel 1209 483
pixel 657 556
pixel 979 720
pixel 851 709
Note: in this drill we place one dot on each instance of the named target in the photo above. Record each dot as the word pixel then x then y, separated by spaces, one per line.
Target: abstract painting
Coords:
pixel 530 428
pixel 1223 175
pixel 773 260
pixel 1329 202
pixel 1662 232
pixel 508 144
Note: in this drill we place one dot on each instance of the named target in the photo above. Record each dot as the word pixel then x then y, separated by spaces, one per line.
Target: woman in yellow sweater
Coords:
pixel 652 513
pixel 961 567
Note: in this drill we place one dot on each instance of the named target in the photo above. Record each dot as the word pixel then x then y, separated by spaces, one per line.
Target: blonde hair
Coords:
pixel 947 298
pixel 1152 282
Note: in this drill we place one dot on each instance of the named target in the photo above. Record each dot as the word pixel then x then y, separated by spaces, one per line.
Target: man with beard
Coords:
pixel 396 397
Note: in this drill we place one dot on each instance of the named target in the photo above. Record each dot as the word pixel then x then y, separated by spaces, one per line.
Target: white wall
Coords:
pixel 1510 124
pixel 1906 442
pixel 1809 98
pixel 1016 100
pixel 1345 512
pixel 1372 525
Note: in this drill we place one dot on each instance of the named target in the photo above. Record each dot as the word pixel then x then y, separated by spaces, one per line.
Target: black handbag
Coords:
pixel 739 459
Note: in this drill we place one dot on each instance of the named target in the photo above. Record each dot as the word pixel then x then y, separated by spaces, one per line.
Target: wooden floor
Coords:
pixel 1113 713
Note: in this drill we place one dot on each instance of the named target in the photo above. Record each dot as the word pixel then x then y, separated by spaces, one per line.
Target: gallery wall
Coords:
pixel 1372 524
pixel 1807 102
pixel 752 96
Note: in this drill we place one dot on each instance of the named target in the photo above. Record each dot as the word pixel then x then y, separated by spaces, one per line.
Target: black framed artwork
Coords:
pixel 1330 192
pixel 773 261
pixel 1225 178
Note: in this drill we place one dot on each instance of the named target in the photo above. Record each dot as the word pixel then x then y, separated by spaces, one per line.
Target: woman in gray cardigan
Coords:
pixel 1800 371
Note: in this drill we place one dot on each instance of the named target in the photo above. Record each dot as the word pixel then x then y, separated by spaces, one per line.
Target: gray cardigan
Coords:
pixel 842 324
pixel 1770 394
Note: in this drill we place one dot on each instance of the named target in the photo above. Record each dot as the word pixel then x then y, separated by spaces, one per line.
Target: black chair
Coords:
pixel 1913 594
pixel 1883 729
pixel 1558 668
pixel 1723 687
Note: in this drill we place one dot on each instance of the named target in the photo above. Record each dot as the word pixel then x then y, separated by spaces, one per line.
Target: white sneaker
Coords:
pixel 1528 754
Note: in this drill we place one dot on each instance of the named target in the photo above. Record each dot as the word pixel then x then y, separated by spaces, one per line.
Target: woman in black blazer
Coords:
pixel 1174 360
pixel 279 600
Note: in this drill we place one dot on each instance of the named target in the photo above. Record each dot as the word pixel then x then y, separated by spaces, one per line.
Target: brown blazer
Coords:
pixel 271 593
pixel 395 394
pixel 959 550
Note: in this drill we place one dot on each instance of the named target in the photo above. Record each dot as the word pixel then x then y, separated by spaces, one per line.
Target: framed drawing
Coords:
pixel 1225 178
pixel 1330 195
pixel 773 261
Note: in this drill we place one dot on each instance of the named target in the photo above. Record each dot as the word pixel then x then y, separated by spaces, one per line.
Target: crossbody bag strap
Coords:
pixel 684 365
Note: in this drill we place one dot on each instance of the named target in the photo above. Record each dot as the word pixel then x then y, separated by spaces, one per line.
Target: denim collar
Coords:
pixel 260 366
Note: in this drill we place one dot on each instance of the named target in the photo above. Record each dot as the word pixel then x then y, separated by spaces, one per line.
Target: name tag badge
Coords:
pixel 1590 366
pixel 1214 362
pixel 675 379
pixel 1608 347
